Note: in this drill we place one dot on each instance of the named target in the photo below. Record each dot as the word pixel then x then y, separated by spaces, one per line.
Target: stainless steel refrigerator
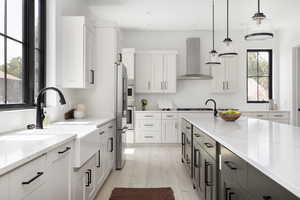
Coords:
pixel 121 114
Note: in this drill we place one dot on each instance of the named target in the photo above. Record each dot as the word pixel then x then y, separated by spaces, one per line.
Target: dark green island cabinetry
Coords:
pixel 219 174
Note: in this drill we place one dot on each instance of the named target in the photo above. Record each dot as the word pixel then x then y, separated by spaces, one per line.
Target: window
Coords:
pixel 259 76
pixel 22 51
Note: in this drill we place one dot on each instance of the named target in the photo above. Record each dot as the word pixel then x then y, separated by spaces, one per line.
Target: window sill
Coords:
pixel 16 108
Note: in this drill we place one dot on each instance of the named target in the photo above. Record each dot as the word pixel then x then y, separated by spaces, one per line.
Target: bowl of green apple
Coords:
pixel 230 115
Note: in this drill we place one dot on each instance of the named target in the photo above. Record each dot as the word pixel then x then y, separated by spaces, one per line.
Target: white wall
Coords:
pixel 194 93
pixel 289 38
pixel 18 119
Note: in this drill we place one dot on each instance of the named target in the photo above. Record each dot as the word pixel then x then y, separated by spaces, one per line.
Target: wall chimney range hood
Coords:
pixel 193 71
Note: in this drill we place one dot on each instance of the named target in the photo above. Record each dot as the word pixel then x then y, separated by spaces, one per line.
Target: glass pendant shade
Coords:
pixel 213 54
pixel 213 58
pixel 260 27
pixel 228 50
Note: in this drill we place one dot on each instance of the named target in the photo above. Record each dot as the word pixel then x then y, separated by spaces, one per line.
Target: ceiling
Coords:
pixel 192 14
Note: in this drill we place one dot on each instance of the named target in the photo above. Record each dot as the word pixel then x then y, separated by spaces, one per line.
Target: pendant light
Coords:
pixel 213 53
pixel 260 27
pixel 228 50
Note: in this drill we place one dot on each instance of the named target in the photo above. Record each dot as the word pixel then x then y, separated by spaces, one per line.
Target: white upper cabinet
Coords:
pixel 156 72
pixel 143 76
pixel 78 53
pixel 225 76
pixel 170 73
pixel 128 60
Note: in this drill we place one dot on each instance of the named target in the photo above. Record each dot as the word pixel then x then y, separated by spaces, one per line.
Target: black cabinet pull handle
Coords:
pixel 188 128
pixel 110 127
pixel 267 197
pixel 208 182
pixel 196 162
pixel 229 164
pixel 101 133
pixel 208 145
pixel 230 195
pixel 226 193
pixel 64 151
pixel 88 176
pixel 111 144
pixel 34 178
pixel 183 139
pixel 93 76
pixel 99 159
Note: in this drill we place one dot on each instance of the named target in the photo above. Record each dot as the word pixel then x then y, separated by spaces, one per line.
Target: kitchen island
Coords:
pixel 260 158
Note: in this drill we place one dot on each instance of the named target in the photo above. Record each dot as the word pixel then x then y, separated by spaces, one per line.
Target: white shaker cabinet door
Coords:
pixel 143 74
pixel 157 73
pixel 89 56
pixel 170 73
pixel 170 131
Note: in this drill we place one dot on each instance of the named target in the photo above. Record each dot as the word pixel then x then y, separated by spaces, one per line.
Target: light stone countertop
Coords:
pixel 16 150
pixel 271 147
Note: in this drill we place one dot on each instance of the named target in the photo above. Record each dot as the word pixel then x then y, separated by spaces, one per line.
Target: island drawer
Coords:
pixel 186 127
pixel 234 167
pixel 206 142
pixel 262 187
pixel 230 190
pixel 169 115
pixel 279 115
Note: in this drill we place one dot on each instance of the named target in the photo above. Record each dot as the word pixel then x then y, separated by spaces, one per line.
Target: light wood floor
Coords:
pixel 152 166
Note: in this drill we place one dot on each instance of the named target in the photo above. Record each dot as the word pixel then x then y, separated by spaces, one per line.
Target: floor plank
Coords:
pixel 152 166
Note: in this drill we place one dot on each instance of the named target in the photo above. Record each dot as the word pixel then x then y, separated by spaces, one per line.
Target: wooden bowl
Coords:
pixel 230 117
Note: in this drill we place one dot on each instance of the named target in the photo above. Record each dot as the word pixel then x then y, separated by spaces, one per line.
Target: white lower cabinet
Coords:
pixel 170 131
pixel 90 176
pixel 60 169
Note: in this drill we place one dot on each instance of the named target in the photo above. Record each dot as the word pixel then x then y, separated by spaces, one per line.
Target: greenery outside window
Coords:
pixel 22 52
pixel 259 75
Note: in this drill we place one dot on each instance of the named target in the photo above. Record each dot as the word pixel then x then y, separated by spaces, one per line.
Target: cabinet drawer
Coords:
pixel 279 115
pixel 148 125
pixel 186 127
pixel 260 187
pixel 59 152
pixel 230 190
pixel 169 115
pixel 206 142
pixel 27 178
pixel 148 115
pixel 234 167
pixel 148 137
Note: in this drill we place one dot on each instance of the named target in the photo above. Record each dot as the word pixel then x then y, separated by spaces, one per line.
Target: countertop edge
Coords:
pixel 256 165
pixel 27 159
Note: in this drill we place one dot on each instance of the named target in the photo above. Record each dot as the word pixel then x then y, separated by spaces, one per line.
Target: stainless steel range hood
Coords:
pixel 193 71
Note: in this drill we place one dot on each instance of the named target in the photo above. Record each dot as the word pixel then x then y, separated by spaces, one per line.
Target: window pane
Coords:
pixel 252 64
pixel 37 24
pixel 252 89
pixel 263 59
pixel 263 89
pixel 15 19
pixel 37 73
pixel 2 16
pixel 14 72
pixel 2 89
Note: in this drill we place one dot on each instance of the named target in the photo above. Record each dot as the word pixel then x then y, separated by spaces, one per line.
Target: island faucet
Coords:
pixel 39 108
pixel 215 106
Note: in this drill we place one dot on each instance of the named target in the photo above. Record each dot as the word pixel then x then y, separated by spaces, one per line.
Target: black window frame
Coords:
pixel 270 76
pixel 29 49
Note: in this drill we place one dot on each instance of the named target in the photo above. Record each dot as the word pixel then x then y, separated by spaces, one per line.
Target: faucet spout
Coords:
pixel 215 106
pixel 40 110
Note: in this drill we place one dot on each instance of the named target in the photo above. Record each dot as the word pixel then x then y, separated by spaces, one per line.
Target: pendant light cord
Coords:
pixel 227 18
pixel 213 22
pixel 258 6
